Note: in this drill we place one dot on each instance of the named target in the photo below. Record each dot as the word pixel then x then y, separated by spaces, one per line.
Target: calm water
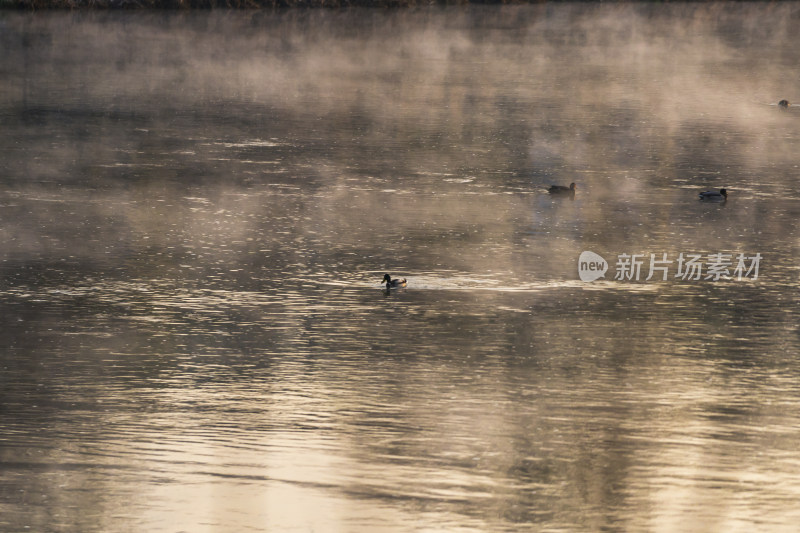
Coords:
pixel 198 208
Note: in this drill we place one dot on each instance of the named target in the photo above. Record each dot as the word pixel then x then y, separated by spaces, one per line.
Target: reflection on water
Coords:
pixel 198 209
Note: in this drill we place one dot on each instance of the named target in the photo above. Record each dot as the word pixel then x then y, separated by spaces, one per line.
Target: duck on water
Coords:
pixel 393 283
pixel 561 190
pixel 714 196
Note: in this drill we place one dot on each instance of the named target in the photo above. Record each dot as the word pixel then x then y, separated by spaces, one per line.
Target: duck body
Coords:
pixel 784 104
pixel 714 196
pixel 561 190
pixel 393 283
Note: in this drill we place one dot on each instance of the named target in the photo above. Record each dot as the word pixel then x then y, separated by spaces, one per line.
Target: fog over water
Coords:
pixel 198 208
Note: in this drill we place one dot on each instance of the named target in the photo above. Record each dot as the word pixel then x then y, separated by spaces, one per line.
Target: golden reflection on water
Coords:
pixel 193 238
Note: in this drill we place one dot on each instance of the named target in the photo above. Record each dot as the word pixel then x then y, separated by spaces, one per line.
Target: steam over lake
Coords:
pixel 198 208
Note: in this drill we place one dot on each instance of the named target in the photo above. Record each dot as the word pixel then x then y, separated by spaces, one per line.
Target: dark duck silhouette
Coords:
pixel 561 190
pixel 393 283
pixel 714 196
pixel 784 104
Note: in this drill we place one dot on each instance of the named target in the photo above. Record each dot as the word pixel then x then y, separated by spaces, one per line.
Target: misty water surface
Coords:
pixel 198 208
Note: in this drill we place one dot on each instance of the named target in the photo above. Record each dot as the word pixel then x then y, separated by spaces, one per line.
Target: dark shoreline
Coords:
pixel 271 4
pixel 235 4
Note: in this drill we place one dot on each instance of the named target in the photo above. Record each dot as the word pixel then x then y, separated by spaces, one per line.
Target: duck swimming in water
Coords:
pixel 714 196
pixel 784 104
pixel 560 189
pixel 393 283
